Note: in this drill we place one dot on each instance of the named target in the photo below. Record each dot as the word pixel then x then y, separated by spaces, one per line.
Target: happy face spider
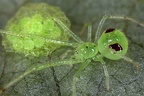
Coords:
pixel 112 44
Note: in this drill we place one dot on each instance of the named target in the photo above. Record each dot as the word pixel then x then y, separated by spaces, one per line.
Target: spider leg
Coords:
pixel 105 70
pixel 106 74
pixel 89 33
pixel 135 63
pixel 48 40
pixel 105 17
pixel 66 29
pixel 65 54
pixel 38 67
pixel 77 74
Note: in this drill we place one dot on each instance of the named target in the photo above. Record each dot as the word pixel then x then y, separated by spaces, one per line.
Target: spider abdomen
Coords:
pixel 113 39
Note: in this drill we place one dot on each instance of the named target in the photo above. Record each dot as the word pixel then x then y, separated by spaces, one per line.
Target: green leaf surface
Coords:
pixel 125 79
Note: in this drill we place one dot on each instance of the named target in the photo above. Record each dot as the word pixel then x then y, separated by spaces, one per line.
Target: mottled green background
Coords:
pixel 124 78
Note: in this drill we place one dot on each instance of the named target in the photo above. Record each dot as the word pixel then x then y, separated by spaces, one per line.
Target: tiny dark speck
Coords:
pixel 109 30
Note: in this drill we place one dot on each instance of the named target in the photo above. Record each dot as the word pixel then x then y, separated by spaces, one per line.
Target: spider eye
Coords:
pixel 76 52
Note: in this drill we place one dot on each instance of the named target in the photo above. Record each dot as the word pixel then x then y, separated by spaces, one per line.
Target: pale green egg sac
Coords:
pixel 30 29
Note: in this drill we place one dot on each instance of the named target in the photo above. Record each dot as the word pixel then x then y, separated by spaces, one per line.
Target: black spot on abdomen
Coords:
pixel 116 47
pixel 109 30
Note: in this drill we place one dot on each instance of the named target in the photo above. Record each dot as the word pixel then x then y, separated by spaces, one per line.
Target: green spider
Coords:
pixel 112 44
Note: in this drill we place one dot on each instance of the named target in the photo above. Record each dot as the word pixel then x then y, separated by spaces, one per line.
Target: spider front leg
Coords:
pixel 77 75
pixel 67 30
pixel 39 67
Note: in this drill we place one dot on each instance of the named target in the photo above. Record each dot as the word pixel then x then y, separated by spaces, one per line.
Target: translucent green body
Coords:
pixel 114 37
pixel 86 50
pixel 33 24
